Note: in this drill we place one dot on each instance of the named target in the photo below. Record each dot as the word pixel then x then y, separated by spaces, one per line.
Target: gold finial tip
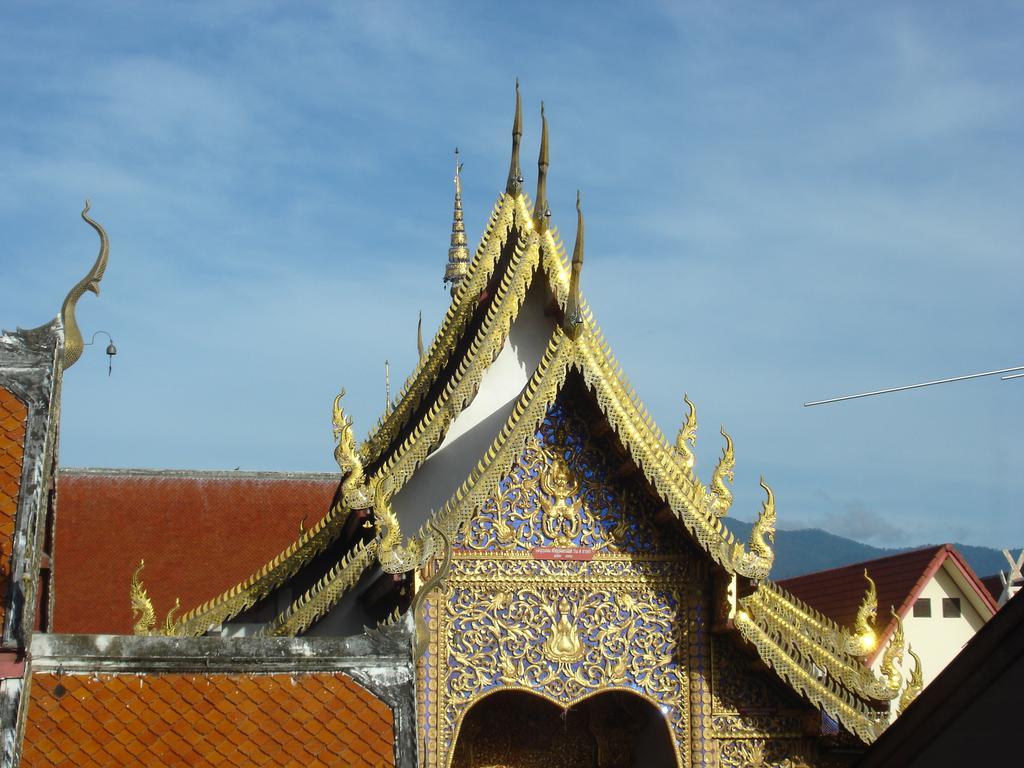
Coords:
pixel 578 202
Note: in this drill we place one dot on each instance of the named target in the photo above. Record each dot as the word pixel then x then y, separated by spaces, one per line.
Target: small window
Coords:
pixel 923 607
pixel 951 607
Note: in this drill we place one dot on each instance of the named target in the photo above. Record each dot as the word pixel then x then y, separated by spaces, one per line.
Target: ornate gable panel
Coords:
pixel 565 585
pixel 563 493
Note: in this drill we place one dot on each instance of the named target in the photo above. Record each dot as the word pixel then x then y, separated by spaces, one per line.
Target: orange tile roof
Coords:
pixel 13 419
pixel 313 720
pixel 199 533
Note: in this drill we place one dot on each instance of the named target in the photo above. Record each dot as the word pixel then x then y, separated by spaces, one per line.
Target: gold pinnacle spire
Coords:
pixel 573 313
pixel 458 253
pixel 515 174
pixel 541 212
pixel 419 335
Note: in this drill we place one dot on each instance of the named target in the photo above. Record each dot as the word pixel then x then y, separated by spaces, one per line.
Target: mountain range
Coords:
pixel 811 549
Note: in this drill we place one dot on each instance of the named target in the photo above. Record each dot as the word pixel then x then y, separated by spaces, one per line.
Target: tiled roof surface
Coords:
pixel 13 417
pixel 199 533
pixel 214 719
pixel 838 592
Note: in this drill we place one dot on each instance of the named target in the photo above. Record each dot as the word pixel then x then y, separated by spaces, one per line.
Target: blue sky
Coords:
pixel 785 201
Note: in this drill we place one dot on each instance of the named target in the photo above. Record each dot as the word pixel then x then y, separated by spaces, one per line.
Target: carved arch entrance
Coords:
pixel 516 729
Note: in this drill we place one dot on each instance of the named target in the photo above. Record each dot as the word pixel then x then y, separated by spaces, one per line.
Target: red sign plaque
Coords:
pixel 562 553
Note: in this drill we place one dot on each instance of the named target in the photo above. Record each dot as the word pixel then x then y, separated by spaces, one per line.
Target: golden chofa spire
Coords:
pixel 573 312
pixel 514 186
pixel 73 341
pixel 458 253
pixel 541 212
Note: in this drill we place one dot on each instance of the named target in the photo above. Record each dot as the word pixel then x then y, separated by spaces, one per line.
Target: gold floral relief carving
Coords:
pixel 559 493
pixel 761 753
pixel 565 629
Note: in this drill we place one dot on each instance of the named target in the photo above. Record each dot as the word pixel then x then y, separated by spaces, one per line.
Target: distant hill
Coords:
pixel 812 549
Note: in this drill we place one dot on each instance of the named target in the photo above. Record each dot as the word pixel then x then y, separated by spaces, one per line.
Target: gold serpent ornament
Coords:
pixel 719 496
pixel 143 614
pixel 864 639
pixel 756 560
pixel 73 341
pixel 394 556
pixel 354 491
pixel 892 659
pixel 914 684
pixel 142 606
pixel 687 434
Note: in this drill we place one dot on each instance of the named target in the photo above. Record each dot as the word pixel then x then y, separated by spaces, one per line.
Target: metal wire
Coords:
pixel 917 386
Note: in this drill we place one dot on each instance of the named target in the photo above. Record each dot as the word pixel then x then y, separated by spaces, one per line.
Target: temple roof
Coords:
pixel 520 251
pixel 899 579
pixel 110 519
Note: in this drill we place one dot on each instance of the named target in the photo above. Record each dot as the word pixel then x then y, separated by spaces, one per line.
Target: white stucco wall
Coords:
pixel 476 427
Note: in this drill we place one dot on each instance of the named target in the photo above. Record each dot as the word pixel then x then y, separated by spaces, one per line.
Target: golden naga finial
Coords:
pixel 73 341
pixel 434 582
pixel 142 606
pixel 354 491
pixel 864 638
pixel 914 684
pixel 574 302
pixel 756 560
pixel 394 556
pixel 458 253
pixel 762 535
pixel 541 211
pixel 892 659
pixel 169 619
pixel 419 335
pixel 687 434
pixel 720 495
pixel 514 186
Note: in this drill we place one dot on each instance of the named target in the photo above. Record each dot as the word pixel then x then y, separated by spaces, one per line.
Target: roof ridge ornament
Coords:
pixel 73 341
pixel 355 493
pixel 720 496
pixel 756 559
pixel 541 211
pixel 458 253
pixel 687 434
pixel 864 638
pixel 514 186
pixel 419 334
pixel 573 304
pixel 914 684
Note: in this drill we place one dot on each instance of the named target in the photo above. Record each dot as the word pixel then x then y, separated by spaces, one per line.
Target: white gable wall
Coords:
pixel 476 427
pixel 938 639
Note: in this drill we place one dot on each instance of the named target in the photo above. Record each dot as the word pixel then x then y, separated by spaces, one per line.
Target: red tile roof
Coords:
pixel 315 720
pixel 200 533
pixel 13 418
pixel 899 579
